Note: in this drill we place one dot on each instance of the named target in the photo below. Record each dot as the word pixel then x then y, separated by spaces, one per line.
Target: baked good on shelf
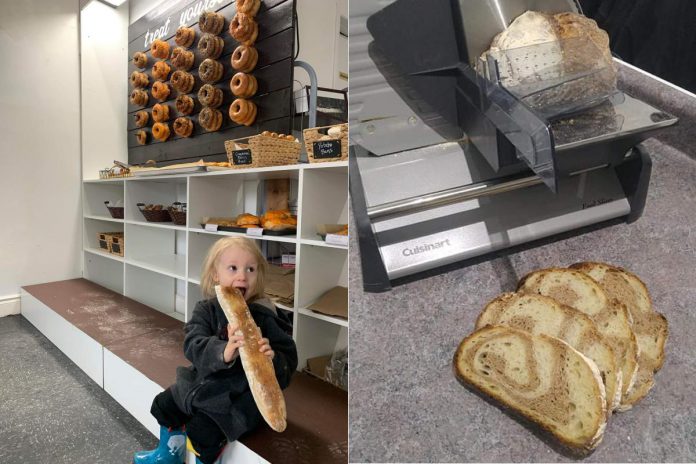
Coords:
pixel 161 70
pixel 184 104
pixel 210 46
pixel 182 81
pixel 160 112
pixel 211 22
pixel 649 326
pixel 160 49
pixel 579 291
pixel 182 59
pixel 139 80
pixel 210 71
pixel 538 314
pixel 243 85
pixel 141 118
pixel 185 36
pixel 278 220
pixel 139 97
pixel 183 127
pixel 244 58
pixel 209 95
pixel 140 60
pixel 248 7
pixel 161 90
pixel 247 219
pixel 243 111
pixel 244 29
pixel 141 137
pixel 553 385
pixel 160 131
pixel 210 119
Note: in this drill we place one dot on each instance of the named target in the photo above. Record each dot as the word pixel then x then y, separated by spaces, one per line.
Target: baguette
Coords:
pixel 539 377
pixel 257 366
pixel 539 314
pixel 649 326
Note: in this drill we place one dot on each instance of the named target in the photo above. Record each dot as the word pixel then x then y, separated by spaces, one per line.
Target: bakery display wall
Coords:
pixel 273 74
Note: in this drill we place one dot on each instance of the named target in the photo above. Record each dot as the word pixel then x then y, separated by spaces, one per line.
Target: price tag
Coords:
pixel 327 149
pixel 211 227
pixel 240 157
pixel 254 231
pixel 335 239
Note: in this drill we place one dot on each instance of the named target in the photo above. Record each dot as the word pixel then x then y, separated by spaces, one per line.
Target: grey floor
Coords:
pixel 52 412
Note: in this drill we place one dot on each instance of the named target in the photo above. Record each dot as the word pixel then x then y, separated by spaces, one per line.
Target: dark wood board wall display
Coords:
pixel 273 72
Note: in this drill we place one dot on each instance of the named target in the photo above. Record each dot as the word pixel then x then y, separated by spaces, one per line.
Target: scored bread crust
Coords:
pixel 611 316
pixel 540 314
pixel 651 327
pixel 596 393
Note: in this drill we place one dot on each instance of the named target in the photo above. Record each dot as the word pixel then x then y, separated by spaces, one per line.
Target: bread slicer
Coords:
pixel 448 163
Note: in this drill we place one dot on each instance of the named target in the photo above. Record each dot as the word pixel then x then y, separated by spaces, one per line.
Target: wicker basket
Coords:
pixel 115 211
pixel 318 134
pixel 151 215
pixel 178 213
pixel 261 151
pixel 111 173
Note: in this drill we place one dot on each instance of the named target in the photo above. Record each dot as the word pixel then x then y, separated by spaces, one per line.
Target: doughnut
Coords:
pixel 184 104
pixel 140 59
pixel 210 71
pixel 160 70
pixel 185 37
pixel 248 7
pixel 182 59
pixel 139 80
pixel 210 119
pixel 182 81
pixel 160 112
pixel 242 111
pixel 211 22
pixel 183 127
pixel 209 95
pixel 160 49
pixel 242 27
pixel 254 35
pixel 211 46
pixel 160 90
pixel 141 137
pixel 160 131
pixel 141 118
pixel 139 97
pixel 244 58
pixel 244 85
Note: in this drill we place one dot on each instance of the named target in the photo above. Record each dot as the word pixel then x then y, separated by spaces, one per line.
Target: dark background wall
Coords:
pixel 658 36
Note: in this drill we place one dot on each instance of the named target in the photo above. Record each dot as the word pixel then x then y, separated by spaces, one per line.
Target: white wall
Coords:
pixel 41 234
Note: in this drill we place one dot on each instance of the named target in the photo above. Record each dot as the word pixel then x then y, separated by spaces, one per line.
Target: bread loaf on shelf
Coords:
pixel 257 366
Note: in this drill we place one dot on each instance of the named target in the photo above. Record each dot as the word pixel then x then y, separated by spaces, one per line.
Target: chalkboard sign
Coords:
pixel 274 73
pixel 326 149
pixel 240 157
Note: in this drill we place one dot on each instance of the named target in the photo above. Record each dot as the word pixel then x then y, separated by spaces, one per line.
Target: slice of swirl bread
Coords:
pixel 539 314
pixel 577 290
pixel 539 377
pixel 649 326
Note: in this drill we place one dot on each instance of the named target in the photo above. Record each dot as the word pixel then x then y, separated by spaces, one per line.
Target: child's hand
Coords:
pixel 265 348
pixel 235 341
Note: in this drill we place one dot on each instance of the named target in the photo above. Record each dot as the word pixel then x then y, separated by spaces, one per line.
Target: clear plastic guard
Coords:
pixel 555 78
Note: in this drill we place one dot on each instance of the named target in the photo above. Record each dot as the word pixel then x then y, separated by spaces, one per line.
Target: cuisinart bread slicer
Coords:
pixel 454 156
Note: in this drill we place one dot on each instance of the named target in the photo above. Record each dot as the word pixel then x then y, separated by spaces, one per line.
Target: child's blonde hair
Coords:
pixel 211 260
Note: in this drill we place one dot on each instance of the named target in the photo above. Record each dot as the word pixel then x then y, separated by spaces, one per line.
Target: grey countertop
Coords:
pixel 406 405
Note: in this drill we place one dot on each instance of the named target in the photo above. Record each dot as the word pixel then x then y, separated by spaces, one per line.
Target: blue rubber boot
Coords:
pixel 171 449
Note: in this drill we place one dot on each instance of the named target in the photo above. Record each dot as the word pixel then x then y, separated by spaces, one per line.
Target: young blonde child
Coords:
pixel 211 401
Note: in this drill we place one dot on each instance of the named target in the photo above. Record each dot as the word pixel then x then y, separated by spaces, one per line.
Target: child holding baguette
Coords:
pixel 211 401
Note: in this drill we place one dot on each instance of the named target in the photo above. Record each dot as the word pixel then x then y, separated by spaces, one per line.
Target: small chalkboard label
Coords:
pixel 327 149
pixel 241 157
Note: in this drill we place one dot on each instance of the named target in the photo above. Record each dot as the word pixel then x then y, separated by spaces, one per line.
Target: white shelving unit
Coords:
pixel 163 262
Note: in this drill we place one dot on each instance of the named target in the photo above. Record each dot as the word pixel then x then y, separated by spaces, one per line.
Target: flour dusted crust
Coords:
pixel 258 368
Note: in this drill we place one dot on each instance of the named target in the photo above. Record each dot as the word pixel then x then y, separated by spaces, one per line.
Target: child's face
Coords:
pixel 237 268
